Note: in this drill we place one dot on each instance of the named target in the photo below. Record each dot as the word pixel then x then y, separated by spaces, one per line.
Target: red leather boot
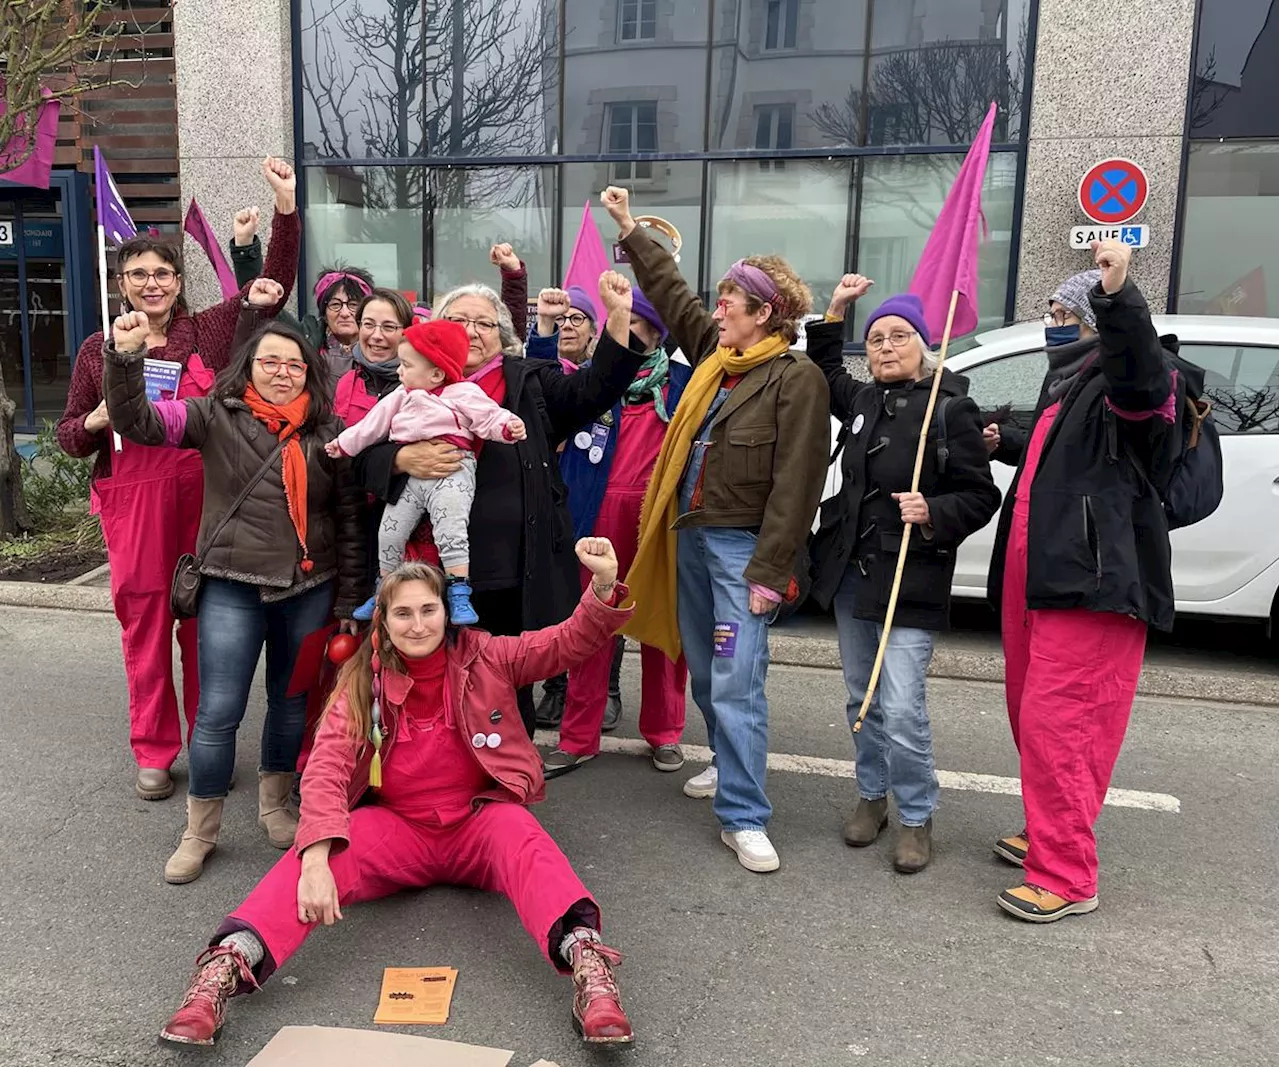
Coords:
pixel 221 972
pixel 597 1007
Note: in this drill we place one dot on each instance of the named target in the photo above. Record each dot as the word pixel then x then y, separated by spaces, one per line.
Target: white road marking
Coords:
pixel 835 768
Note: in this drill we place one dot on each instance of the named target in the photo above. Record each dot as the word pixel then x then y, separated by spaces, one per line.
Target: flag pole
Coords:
pixel 906 526
pixel 106 310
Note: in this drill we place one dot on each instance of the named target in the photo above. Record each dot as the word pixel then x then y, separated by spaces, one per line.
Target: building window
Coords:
pixel 632 128
pixel 780 24
pixel 637 20
pixel 774 126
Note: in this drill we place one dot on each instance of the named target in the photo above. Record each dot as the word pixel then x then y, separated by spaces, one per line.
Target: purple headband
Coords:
pixel 421 314
pixel 326 280
pixel 756 282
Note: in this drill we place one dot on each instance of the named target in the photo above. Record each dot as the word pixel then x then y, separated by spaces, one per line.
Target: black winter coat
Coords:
pixel 861 526
pixel 1097 535
pixel 521 531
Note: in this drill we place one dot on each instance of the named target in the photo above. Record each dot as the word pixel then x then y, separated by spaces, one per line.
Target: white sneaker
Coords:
pixel 702 786
pixel 755 850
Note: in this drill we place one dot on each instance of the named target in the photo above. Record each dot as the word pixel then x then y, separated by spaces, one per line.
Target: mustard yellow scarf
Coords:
pixel 652 577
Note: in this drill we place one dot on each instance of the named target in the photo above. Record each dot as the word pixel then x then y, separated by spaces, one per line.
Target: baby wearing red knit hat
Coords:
pixel 432 402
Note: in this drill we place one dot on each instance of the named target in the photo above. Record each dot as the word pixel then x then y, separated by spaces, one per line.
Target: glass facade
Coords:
pixel 1228 259
pixel 827 131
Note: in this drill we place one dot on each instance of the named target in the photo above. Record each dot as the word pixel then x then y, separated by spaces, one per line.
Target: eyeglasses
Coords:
pixel 725 305
pixel 575 319
pixel 271 367
pixel 339 306
pixel 385 328
pixel 481 325
pixel 163 276
pixel 1060 318
pixel 881 340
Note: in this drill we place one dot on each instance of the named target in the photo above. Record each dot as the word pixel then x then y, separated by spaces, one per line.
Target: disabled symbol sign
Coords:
pixel 1113 191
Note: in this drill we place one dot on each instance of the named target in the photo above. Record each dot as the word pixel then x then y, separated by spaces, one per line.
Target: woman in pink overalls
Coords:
pixel 149 499
pixel 1079 570
pixel 422 775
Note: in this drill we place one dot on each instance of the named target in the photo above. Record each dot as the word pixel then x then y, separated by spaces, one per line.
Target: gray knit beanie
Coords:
pixel 1073 294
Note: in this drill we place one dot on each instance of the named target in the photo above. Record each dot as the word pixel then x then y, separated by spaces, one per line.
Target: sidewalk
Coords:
pixel 809 640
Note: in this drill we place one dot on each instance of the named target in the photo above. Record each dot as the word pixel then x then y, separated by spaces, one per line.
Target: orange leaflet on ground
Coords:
pixel 416 995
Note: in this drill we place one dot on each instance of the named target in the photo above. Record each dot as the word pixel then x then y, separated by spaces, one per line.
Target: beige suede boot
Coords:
pixel 204 821
pixel 274 814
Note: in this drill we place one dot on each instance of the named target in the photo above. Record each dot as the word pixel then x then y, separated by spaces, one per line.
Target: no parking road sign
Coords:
pixel 1113 191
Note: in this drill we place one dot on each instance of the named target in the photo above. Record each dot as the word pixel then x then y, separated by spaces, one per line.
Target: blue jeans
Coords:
pixel 727 649
pixel 895 745
pixel 234 623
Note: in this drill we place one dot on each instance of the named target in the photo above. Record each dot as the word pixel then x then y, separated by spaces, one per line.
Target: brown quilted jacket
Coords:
pixel 258 545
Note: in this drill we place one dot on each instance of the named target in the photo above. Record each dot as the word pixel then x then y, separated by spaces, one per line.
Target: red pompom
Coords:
pixel 341 648
pixel 307 566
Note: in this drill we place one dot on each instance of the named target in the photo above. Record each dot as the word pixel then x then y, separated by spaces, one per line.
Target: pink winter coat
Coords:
pixel 461 410
pixel 482 675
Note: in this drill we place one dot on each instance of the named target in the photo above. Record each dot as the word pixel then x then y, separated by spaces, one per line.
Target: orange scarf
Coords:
pixel 283 420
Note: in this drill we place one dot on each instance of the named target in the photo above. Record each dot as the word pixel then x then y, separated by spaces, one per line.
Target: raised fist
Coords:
pixel 1112 259
pixel 597 555
pixel 615 292
pixel 851 287
pixel 552 303
pixel 503 257
pixel 129 332
pixel 246 226
pixel 284 183
pixel 617 201
pixel 265 293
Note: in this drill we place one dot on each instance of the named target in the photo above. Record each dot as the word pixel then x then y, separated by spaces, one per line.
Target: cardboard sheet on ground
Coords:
pixel 330 1046
pixel 416 995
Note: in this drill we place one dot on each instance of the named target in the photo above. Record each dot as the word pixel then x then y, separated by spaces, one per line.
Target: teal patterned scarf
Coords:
pixel 649 387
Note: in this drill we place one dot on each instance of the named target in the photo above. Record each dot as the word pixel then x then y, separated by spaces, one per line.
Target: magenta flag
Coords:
pixel 34 170
pixel 117 225
pixel 588 260
pixel 198 226
pixel 950 257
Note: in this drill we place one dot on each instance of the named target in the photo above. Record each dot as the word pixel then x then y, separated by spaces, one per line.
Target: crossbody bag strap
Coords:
pixel 244 493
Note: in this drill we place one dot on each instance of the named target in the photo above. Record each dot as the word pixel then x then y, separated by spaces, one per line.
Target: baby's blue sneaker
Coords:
pixel 365 611
pixel 461 613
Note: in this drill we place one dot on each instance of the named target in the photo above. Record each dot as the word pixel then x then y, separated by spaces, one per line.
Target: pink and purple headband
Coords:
pixel 335 276
pixel 754 281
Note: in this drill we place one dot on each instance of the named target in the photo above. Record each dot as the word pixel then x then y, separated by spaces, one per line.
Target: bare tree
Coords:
pixel 421 78
pixel 1246 409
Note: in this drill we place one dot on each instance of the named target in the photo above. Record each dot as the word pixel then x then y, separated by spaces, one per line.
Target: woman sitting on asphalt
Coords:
pixel 421 775
pixel 149 498
pixel 739 477
pixel 523 573
pixel 275 568
pixel 855 552
pixel 606 466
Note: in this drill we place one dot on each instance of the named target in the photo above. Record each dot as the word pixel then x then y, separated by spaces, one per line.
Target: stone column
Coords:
pixel 235 106
pixel 1110 80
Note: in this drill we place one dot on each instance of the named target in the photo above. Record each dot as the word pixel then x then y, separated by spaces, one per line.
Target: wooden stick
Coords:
pixel 906 527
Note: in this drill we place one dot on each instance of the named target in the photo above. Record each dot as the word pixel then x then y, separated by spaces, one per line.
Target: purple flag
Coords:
pixel 198 226
pixel 588 260
pixel 113 216
pixel 34 170
pixel 950 257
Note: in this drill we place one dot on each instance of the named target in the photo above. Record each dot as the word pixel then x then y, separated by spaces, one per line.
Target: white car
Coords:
pixel 1229 564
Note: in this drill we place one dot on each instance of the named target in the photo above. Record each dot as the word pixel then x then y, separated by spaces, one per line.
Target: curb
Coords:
pixel 1191 683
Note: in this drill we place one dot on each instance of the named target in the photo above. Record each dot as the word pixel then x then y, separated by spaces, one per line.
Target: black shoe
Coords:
pixel 551 707
pixel 613 707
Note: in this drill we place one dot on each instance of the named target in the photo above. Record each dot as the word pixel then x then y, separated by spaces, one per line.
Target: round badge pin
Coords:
pixel 493 740
pixel 478 741
pixel 858 423
pixel 582 439
pixel 595 454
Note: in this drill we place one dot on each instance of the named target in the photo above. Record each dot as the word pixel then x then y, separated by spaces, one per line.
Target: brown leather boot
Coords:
pixel 914 849
pixel 274 814
pixel 866 822
pixel 597 1005
pixel 204 821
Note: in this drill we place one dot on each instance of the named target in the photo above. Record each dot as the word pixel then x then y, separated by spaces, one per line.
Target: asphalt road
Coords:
pixel 834 960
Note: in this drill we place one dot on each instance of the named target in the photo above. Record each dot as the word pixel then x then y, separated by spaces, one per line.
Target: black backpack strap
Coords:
pixel 940 424
pixel 842 439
